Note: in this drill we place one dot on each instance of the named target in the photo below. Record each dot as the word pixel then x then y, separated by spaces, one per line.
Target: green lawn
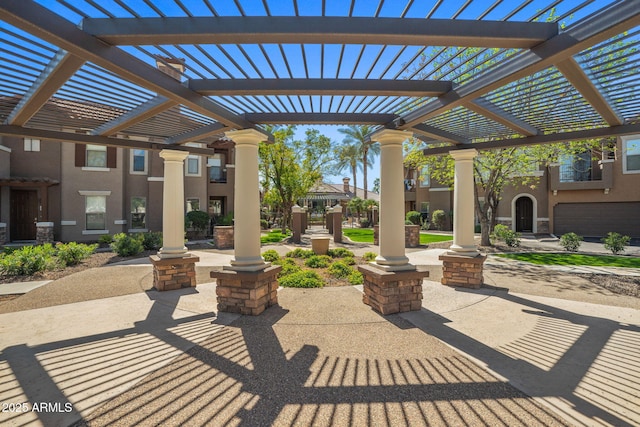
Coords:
pixel 575 259
pixel 365 235
pixel 274 236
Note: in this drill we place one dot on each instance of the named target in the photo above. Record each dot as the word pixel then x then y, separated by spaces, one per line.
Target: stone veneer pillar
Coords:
pixel 462 265
pixel 44 232
pixel 3 233
pixel 173 266
pixel 391 283
pixel 337 223
pixel 249 285
pixel 297 214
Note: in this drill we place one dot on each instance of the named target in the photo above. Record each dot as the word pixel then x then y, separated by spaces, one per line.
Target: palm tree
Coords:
pixel 348 156
pixel 356 135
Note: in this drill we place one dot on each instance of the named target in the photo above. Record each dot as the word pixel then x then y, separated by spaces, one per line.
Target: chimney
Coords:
pixel 345 184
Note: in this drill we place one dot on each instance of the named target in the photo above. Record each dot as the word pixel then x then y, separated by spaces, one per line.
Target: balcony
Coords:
pixel 410 190
pixel 598 175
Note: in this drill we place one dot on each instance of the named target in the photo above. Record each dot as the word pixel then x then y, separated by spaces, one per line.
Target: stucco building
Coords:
pixel 589 194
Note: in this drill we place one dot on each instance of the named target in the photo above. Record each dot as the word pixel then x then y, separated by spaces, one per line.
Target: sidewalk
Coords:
pixel 321 356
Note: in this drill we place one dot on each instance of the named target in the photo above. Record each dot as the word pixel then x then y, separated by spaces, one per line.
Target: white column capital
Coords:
pixel 246 136
pixel 174 155
pixel 390 136
pixel 466 154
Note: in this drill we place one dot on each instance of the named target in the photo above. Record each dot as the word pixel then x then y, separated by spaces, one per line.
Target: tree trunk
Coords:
pixel 364 167
pixel 485 232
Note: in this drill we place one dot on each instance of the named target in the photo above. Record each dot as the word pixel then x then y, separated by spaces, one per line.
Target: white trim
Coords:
pixel 120 222
pixel 624 153
pixel 137 230
pixel 441 189
pixel 534 226
pixel 94 193
pixel 3 224
pixel 606 161
pixel 68 223
pixel 155 179
pixel 230 166
pixel 3 148
pixel 94 232
pixel 543 219
pixel 94 169
pixel 503 218
pixel 44 224
pixel 146 162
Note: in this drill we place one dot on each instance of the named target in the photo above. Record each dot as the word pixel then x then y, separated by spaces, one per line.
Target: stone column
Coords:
pixel 173 266
pixel 3 233
pixel 305 219
pixel 173 204
pixel 297 218
pixel 463 203
pixel 246 200
pixel 392 255
pixel 337 223
pixel 462 265
pixel 391 284
pixel 44 232
pixel 249 285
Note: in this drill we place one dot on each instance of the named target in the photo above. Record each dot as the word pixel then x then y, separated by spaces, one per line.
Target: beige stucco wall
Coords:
pixel 75 179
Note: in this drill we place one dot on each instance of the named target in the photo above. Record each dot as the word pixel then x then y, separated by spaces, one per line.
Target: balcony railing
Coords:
pixel 598 176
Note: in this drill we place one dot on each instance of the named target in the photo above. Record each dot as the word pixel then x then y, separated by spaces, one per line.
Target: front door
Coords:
pixel 24 214
pixel 524 215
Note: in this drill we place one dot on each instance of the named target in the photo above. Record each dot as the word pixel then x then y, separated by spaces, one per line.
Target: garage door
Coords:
pixel 597 219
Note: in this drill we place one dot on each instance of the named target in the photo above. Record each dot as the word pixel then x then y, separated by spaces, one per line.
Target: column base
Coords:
pixel 246 292
pixel 462 271
pixel 174 273
pixel 389 292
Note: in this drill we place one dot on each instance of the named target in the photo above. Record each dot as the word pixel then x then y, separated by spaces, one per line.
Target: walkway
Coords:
pixel 320 358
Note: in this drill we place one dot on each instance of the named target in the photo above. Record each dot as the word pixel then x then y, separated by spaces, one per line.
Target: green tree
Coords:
pixel 356 205
pixel 357 135
pixel 348 156
pixel 289 168
pixel 376 185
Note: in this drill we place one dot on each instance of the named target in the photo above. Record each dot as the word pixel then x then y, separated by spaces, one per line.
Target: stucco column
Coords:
pixel 463 203
pixel 173 204
pixel 246 200
pixel 392 255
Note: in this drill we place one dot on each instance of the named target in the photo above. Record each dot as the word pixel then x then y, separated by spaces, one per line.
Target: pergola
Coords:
pixel 463 76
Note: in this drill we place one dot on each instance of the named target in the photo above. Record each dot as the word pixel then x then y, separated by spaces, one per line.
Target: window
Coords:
pixel 96 156
pixel 96 212
pixel 192 165
pixel 31 144
pixel 425 180
pixel 424 207
pixel 138 161
pixel 578 167
pixel 193 204
pixel 216 165
pixel 631 154
pixel 138 212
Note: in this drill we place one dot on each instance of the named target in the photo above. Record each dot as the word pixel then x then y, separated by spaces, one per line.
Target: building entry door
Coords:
pixel 24 214
pixel 524 215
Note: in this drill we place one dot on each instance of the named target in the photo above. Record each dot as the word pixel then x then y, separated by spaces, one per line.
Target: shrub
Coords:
pixel 302 279
pixel 570 242
pixel 300 253
pixel 28 260
pixel 105 239
pixel 340 253
pixel 369 256
pixel 413 217
pixel 72 253
pixel 225 219
pixel 364 223
pixel 152 241
pixel 504 233
pixel 198 220
pixel 264 224
pixel 439 218
pixel 126 245
pixel 289 266
pixel 349 260
pixel 356 278
pixel 318 261
pixel 615 242
pixel 340 269
pixel 407 222
pixel 271 255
